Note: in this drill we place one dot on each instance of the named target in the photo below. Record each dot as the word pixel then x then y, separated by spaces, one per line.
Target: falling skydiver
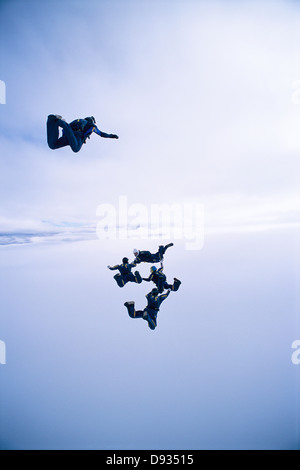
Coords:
pixel 148 257
pixel 160 280
pixel 150 312
pixel 73 134
pixel 125 275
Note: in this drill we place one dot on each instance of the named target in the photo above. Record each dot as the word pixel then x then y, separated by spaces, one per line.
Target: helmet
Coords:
pixel 153 269
pixel 125 260
pixel 135 252
pixel 155 291
pixel 91 120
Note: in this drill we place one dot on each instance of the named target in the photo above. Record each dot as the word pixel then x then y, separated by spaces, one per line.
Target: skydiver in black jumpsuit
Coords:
pixel 73 134
pixel 148 257
pixel 150 312
pixel 125 273
pixel 160 280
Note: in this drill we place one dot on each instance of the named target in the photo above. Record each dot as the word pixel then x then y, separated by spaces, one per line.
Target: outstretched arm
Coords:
pixel 113 268
pixel 103 134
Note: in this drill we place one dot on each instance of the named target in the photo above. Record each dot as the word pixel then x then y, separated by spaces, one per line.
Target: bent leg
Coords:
pixel 168 246
pixel 151 323
pixel 138 314
pixel 132 312
pixel 161 252
pixel 119 280
pixel 138 278
pixel 53 139
pixel 168 286
pixel 69 134
pixel 176 285
pixel 163 249
pixel 151 319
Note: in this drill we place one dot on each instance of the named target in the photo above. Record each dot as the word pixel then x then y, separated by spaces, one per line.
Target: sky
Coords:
pixel 205 98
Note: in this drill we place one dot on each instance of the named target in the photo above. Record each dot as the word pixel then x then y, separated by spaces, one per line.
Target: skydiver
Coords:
pixel 73 134
pixel 160 280
pixel 147 257
pixel 150 312
pixel 125 273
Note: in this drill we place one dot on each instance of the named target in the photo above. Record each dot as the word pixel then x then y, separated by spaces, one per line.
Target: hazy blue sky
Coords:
pixel 205 99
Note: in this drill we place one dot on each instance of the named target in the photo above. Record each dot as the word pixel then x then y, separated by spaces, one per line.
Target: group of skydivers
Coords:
pixel 75 135
pixel 157 276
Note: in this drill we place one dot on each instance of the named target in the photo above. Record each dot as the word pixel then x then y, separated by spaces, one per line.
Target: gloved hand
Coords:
pixel 114 136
